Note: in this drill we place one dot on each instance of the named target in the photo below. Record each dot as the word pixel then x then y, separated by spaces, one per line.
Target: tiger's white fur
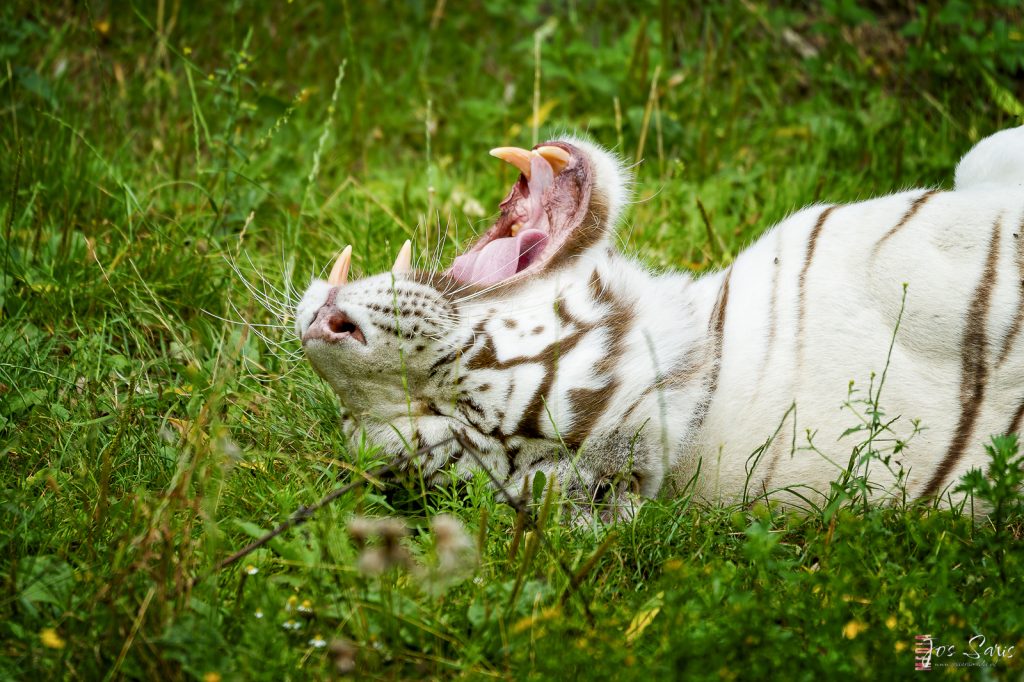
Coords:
pixel 621 381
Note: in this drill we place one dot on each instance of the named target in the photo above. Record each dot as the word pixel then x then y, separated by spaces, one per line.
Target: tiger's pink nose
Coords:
pixel 333 326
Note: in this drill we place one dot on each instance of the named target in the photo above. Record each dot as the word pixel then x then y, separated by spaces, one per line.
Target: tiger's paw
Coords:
pixel 587 500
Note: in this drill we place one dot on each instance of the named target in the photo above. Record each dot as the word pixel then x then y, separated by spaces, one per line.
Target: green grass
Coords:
pixel 171 173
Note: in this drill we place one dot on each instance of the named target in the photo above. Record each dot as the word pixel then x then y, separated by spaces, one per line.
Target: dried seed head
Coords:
pixel 377 559
pixel 397 556
pixel 372 561
pixel 391 532
pixel 360 529
pixel 455 549
pixel 446 528
pixel 344 653
pixel 391 529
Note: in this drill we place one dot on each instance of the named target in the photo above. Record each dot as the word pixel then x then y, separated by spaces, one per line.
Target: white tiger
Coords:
pixel 548 350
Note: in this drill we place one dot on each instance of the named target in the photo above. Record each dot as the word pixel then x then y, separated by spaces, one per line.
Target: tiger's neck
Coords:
pixel 600 351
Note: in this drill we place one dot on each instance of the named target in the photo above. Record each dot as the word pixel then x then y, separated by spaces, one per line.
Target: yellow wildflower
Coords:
pixel 853 628
pixel 50 639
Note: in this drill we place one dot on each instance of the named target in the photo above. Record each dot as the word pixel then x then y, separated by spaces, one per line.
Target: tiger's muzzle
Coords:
pixel 332 325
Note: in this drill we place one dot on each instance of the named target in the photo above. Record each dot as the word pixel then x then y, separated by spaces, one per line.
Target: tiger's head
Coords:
pixel 501 347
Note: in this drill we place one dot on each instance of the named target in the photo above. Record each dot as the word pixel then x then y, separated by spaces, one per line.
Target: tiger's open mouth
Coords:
pixel 538 217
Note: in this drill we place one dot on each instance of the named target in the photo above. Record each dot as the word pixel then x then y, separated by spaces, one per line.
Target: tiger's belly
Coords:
pixel 818 334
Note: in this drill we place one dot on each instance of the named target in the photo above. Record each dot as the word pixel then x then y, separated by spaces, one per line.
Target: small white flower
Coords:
pixel 318 642
pixel 291 624
pixel 251 570
pixel 258 613
pixel 306 606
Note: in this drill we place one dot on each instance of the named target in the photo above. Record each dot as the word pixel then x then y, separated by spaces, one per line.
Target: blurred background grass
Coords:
pixel 173 171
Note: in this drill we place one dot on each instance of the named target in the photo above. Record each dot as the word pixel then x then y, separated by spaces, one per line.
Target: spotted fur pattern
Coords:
pixel 624 383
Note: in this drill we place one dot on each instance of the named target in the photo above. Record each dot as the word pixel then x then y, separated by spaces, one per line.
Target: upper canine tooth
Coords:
pixel 404 261
pixel 339 273
pixel 520 158
pixel 556 156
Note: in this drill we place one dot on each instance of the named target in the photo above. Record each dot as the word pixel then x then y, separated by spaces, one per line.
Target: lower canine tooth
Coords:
pixel 404 261
pixel 339 273
pixel 515 229
pixel 556 156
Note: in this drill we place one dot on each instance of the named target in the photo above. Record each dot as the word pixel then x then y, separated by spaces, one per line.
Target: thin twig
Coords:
pixel 303 514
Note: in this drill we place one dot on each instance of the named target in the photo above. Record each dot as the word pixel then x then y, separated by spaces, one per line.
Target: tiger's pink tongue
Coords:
pixel 500 259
